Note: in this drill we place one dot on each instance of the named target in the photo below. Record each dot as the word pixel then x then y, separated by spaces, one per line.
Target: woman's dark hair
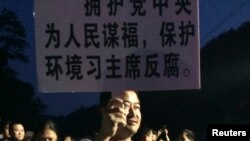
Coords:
pixel 49 124
pixel 46 124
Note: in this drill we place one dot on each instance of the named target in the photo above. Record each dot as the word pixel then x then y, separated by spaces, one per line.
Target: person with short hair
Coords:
pixel 121 116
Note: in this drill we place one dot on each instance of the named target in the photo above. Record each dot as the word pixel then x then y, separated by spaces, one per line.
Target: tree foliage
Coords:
pixel 12 41
pixel 17 98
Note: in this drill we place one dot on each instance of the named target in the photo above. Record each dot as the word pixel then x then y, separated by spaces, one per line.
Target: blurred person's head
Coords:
pixel 5 129
pixel 162 134
pixel 187 135
pixel 49 135
pixel 154 137
pixel 29 136
pixel 16 130
pixel 68 138
pixel 145 134
pixel 47 131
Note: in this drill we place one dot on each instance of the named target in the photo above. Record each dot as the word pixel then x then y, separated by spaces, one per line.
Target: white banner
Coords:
pixel 103 45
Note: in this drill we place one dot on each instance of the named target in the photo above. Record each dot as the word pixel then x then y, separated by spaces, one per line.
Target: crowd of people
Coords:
pixel 150 134
pixel 121 121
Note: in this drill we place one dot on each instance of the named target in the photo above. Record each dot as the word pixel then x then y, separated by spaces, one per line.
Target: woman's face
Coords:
pixel 18 132
pixel 49 135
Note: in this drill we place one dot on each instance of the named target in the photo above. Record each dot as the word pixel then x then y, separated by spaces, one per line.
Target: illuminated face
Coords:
pixel 18 132
pixel 49 135
pixel 132 104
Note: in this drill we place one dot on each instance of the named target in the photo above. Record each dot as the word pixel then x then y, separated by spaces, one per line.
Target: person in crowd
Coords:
pixel 121 116
pixel 85 139
pixel 29 136
pixel 186 135
pixel 16 131
pixel 47 131
pixel 68 138
pixel 154 138
pixel 145 134
pixel 163 134
pixel 5 131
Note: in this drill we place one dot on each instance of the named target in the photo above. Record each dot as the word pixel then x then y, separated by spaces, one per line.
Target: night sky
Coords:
pixel 216 17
